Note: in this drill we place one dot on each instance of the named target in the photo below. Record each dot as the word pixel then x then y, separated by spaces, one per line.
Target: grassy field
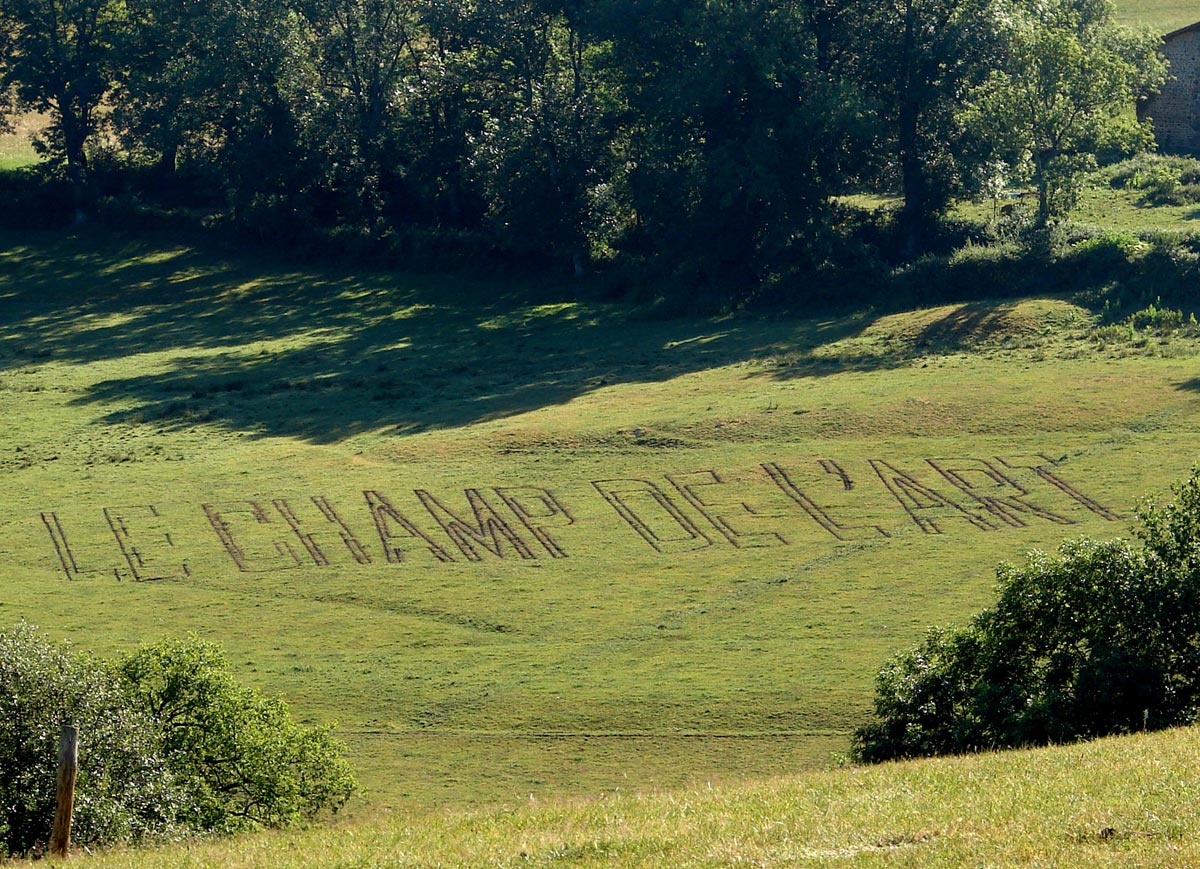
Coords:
pixel 1126 802
pixel 542 556
pixel 16 149
pixel 543 547
pixel 1161 15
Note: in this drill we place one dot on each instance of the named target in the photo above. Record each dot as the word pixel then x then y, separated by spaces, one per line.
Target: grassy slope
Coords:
pixel 143 376
pixel 1117 803
pixel 617 669
pixel 1161 15
pixel 15 147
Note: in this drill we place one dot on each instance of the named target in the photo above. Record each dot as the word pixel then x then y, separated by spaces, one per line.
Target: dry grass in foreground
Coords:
pixel 1121 802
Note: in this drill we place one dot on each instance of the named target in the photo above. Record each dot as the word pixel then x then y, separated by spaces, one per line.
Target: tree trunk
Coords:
pixel 914 213
pixel 1040 168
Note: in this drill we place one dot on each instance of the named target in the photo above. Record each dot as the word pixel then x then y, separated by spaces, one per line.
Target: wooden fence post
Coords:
pixel 68 760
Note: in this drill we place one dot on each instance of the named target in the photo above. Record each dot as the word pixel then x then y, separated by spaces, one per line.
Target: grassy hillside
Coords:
pixel 16 149
pixel 1117 803
pixel 543 547
pixel 1162 15
pixel 527 547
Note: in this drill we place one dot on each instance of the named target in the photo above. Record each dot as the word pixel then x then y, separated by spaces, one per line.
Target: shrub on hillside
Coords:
pixel 36 198
pixel 1158 319
pixel 238 756
pixel 169 742
pixel 124 789
pixel 1102 638
pixel 1163 179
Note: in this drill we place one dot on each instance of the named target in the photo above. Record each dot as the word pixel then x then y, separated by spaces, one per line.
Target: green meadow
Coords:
pixel 16 148
pixel 1162 15
pixel 520 543
pixel 579 582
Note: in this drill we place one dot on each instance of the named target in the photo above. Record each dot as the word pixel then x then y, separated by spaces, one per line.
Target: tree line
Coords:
pixel 707 142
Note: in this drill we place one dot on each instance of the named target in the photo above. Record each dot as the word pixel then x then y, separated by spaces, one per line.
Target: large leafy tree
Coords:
pixel 224 84
pixel 369 58
pixel 739 134
pixel 61 57
pixel 238 756
pixel 545 152
pixel 919 60
pixel 1066 92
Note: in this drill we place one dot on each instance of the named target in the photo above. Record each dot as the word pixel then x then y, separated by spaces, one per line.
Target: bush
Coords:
pixel 169 743
pixel 238 756
pixel 36 198
pixel 1163 179
pixel 124 791
pixel 1103 638
pixel 1156 318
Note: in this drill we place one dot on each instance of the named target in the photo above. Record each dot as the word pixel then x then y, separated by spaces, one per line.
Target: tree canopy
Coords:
pixel 702 142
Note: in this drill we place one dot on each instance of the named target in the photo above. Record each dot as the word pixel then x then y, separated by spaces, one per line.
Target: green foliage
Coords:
pixel 35 199
pixel 1102 638
pixel 697 144
pixel 168 742
pixel 61 57
pixel 1065 93
pixel 1111 248
pixel 239 757
pixel 1163 180
pixel 738 134
pixel 124 789
pixel 1144 279
pixel 1158 319
pixel 920 60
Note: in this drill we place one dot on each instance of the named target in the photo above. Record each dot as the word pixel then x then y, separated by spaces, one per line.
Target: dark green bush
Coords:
pixel 124 788
pixel 36 198
pixel 1103 638
pixel 169 743
pixel 1157 318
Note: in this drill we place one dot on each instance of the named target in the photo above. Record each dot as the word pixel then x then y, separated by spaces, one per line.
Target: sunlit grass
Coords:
pixel 16 149
pixel 143 386
pixel 1161 15
pixel 1127 802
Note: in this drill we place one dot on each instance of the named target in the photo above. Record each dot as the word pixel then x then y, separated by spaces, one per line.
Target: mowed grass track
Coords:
pixel 516 543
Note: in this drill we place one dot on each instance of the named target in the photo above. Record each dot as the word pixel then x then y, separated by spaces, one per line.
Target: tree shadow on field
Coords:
pixel 967 325
pixel 192 337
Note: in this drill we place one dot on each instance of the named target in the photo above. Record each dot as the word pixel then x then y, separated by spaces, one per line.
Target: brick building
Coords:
pixel 1175 110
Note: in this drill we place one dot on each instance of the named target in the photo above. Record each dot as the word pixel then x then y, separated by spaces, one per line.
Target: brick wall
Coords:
pixel 1176 109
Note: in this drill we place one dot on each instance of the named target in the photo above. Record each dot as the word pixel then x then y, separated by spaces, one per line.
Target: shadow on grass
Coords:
pixel 195 338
